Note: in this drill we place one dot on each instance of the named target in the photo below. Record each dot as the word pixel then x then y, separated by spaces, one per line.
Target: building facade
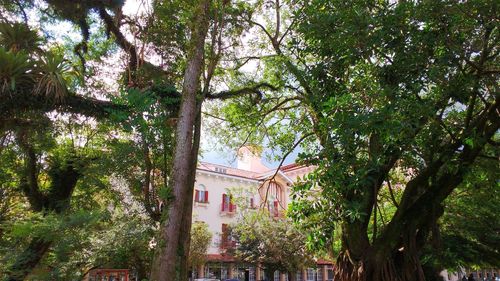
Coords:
pixel 220 193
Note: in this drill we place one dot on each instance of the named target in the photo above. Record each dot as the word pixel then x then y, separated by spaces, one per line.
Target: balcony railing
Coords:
pixel 228 244
pixel 228 208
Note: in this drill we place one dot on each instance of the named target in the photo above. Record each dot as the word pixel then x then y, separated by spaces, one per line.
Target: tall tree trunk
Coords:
pixel 165 266
pixel 185 240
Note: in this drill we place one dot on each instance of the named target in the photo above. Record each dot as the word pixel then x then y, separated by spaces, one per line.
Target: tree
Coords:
pixel 468 234
pixel 193 56
pixel 275 244
pixel 381 86
pixel 201 238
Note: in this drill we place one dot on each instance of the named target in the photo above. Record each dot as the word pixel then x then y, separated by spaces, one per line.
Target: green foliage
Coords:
pixel 144 157
pixel 18 37
pixel 26 69
pixel 392 93
pixel 55 72
pixel 201 238
pixel 469 227
pixel 14 71
pixel 277 244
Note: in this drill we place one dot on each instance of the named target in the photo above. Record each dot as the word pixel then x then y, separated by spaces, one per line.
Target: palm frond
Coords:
pixel 15 72
pixel 54 76
pixel 19 37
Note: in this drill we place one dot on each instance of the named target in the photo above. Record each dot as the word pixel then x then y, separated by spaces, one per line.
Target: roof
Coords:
pixel 323 262
pixel 226 170
pixel 283 171
pixel 278 173
pixel 289 166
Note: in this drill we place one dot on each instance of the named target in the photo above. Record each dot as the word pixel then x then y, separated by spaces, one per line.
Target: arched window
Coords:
pixel 201 194
pixel 275 197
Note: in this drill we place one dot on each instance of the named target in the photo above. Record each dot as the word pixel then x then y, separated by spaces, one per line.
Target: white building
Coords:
pixel 251 183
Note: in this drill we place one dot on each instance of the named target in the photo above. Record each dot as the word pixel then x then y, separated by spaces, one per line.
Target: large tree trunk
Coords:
pixel 397 266
pixel 28 260
pixel 166 264
pixel 63 182
pixel 185 240
pixel 395 253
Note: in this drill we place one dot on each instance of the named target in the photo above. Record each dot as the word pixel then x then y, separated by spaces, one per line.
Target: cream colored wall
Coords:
pixel 210 213
pixel 217 184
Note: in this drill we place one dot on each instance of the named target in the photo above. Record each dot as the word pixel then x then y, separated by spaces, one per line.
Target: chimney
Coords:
pixel 249 159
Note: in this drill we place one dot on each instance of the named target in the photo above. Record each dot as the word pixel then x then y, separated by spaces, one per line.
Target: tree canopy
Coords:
pixel 394 103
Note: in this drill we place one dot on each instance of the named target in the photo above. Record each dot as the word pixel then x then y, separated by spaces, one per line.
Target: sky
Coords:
pixel 228 157
pixel 209 152
pixel 210 149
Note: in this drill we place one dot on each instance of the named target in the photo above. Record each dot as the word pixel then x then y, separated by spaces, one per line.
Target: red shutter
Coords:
pixel 276 208
pixel 224 235
pixel 251 203
pixel 223 202
pixel 206 196
pixel 196 195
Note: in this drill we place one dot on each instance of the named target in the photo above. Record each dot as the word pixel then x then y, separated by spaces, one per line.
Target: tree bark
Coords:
pixel 188 211
pixel 63 182
pixel 28 260
pixel 166 264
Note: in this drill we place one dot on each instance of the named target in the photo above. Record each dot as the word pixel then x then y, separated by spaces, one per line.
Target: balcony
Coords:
pixel 227 208
pixel 227 245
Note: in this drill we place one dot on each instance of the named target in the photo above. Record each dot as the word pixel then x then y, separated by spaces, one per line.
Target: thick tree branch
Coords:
pixel 253 90
pixel 425 193
pixel 91 107
pixel 120 39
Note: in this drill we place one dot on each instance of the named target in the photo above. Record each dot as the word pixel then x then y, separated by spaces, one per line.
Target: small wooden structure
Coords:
pixel 108 275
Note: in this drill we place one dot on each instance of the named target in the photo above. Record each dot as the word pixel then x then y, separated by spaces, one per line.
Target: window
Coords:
pixel 319 273
pixel 227 204
pixel 329 270
pixel 251 202
pixel 251 274
pixel 276 276
pixel 221 170
pixel 275 198
pixel 273 206
pixel 226 241
pixel 311 274
pixel 201 194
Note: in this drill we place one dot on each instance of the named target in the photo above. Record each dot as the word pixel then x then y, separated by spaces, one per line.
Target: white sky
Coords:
pixel 209 153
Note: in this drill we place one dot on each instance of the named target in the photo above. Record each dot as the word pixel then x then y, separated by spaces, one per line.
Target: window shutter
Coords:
pixel 196 195
pixel 252 203
pixel 224 235
pixel 275 208
pixel 206 196
pixel 223 202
